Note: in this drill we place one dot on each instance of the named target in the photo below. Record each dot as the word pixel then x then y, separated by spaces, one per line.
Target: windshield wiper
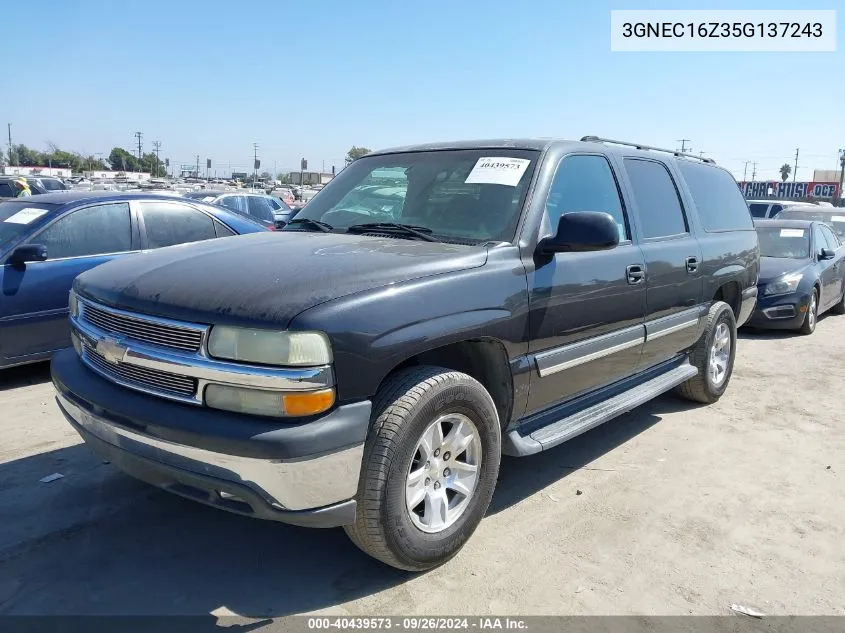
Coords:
pixel 314 224
pixel 422 232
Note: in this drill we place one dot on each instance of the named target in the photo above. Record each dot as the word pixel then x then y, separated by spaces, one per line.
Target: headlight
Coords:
pixel 73 304
pixel 267 347
pixel 784 285
pixel 264 402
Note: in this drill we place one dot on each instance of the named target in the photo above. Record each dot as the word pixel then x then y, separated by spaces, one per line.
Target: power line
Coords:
pixel 157 146
pixel 683 142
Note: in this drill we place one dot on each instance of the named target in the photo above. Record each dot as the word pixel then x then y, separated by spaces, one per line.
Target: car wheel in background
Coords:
pixel 812 315
pixel 430 465
pixel 713 355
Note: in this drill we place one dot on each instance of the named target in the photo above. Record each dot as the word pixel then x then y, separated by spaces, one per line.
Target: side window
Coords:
pixel 167 224
pixel 223 230
pixel 830 237
pixel 776 208
pixel 584 183
pixel 720 205
pixel 259 208
pixel 758 209
pixel 660 211
pixel 232 202
pixel 818 238
pixel 97 230
pixel 275 204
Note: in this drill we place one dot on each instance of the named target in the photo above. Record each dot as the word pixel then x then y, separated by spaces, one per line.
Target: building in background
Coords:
pixel 15 170
pixel 310 177
pixel 115 175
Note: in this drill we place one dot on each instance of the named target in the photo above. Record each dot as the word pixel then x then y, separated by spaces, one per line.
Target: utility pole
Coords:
pixel 139 136
pixel 11 160
pixel 157 146
pixel 198 167
pixel 795 169
pixel 254 164
pixel 683 142
pixel 753 172
pixel 841 172
pixel 745 171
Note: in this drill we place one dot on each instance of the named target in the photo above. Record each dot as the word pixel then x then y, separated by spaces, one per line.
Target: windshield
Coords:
pixel 460 195
pixel 834 220
pixel 777 241
pixel 17 217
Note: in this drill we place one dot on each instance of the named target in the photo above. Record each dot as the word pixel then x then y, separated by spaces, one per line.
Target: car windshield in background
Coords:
pixel 787 242
pixel 16 217
pixel 459 195
pixel 834 220
pixel 758 209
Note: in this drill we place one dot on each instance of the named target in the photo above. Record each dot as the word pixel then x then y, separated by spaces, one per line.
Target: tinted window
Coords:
pixel 6 190
pixel 105 228
pixel 167 224
pixel 223 230
pixel 53 185
pixel 720 205
pixel 274 203
pixel 231 202
pixel 584 183
pixel 830 237
pixel 13 223
pixel 776 208
pixel 758 209
pixel 259 208
pixel 659 206
pixel 818 238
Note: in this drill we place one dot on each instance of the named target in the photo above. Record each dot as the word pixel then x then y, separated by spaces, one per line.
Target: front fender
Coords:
pixel 375 331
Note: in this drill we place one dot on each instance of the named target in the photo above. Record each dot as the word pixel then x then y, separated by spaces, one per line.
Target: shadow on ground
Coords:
pixel 98 542
pixel 24 375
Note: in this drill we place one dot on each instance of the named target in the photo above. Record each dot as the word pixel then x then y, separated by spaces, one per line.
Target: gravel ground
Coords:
pixel 671 509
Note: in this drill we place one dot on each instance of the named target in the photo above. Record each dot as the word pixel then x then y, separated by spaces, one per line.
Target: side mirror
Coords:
pixel 582 231
pixel 827 253
pixel 28 253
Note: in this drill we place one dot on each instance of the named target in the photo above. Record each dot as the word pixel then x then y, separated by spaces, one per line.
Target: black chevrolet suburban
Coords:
pixel 368 365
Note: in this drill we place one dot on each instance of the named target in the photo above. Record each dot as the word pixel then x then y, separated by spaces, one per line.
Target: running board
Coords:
pixel 566 428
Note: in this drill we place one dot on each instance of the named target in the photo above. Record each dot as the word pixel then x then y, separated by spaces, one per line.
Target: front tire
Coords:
pixel 812 316
pixel 430 466
pixel 713 355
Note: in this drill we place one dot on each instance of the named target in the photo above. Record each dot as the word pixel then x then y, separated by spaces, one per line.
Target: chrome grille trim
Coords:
pixel 160 383
pixel 162 332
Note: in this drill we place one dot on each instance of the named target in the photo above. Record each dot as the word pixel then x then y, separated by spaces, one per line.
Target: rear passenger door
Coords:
pixel 587 308
pixel 673 280
pixel 166 223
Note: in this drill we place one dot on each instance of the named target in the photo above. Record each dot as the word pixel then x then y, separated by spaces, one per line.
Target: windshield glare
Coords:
pixel 16 218
pixel 784 242
pixel 833 220
pixel 463 195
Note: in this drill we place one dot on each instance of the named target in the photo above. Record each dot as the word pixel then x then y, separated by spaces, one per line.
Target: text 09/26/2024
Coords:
pixel 723 31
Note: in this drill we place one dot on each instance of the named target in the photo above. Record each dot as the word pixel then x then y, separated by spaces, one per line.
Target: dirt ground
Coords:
pixel 671 509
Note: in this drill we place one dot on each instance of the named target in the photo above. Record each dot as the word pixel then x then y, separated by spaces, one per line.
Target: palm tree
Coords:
pixel 785 170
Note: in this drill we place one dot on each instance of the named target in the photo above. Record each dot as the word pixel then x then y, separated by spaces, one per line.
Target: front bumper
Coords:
pixel 780 312
pixel 304 473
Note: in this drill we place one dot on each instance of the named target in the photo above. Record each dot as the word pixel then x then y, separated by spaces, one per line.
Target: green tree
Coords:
pixel 356 152
pixel 785 170
pixel 26 156
pixel 265 175
pixel 284 178
pixel 121 160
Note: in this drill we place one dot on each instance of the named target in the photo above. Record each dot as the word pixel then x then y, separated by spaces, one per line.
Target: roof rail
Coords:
pixel 598 139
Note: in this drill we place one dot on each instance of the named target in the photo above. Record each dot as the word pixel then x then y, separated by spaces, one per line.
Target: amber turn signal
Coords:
pixel 309 403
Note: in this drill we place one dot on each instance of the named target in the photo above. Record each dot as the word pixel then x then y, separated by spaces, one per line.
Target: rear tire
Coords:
pixel 713 355
pixel 454 490
pixel 812 316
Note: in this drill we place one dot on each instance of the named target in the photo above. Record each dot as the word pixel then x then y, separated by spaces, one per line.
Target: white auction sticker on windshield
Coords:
pixel 792 232
pixel 498 170
pixel 838 218
pixel 25 216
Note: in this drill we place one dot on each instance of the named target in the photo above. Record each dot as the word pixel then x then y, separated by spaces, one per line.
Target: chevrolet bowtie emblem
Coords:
pixel 111 350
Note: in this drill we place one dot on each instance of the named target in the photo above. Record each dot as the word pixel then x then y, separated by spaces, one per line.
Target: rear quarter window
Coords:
pixel 717 198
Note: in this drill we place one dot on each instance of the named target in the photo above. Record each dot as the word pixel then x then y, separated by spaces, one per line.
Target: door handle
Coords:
pixel 692 264
pixel 635 274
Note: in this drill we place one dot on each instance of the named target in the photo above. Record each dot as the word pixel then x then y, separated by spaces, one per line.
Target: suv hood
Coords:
pixel 773 267
pixel 265 278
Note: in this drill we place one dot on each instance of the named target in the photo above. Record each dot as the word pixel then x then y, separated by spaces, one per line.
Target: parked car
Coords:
pixel 770 208
pixel 366 374
pixel 259 206
pixel 802 274
pixel 833 217
pixel 45 241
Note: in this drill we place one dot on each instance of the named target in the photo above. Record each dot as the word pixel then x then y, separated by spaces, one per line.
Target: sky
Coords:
pixel 312 79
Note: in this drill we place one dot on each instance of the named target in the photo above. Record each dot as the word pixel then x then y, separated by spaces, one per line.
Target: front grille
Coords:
pixel 183 338
pixel 141 377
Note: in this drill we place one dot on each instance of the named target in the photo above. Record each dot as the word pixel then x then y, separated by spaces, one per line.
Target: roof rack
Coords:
pixel 598 139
